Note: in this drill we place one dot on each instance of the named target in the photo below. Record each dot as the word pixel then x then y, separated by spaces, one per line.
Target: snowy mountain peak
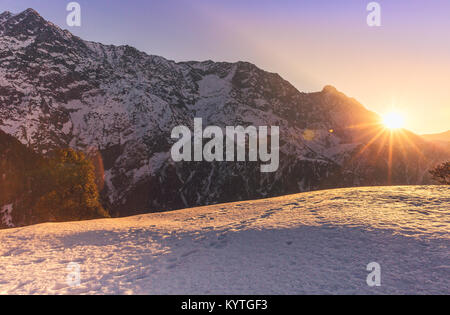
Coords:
pixel 30 11
pixel 26 24
pixel 27 15
pixel 5 16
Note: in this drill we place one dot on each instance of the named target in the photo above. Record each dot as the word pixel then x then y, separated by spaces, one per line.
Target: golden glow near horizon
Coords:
pixel 369 64
pixel 393 120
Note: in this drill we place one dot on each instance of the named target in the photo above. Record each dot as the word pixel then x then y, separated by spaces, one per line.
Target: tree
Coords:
pixel 441 173
pixel 67 188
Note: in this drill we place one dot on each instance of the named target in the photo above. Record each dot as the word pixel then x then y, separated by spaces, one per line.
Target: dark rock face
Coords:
pixel 57 90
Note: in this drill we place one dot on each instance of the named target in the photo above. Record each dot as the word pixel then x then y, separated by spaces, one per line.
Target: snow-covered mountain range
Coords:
pixel 57 90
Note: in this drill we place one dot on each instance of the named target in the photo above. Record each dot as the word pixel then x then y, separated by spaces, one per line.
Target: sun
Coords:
pixel 393 120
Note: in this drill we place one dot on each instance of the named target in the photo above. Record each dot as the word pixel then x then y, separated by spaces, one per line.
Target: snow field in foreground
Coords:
pixel 318 242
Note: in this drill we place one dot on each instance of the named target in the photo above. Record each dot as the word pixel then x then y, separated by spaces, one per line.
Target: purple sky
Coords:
pixel 402 65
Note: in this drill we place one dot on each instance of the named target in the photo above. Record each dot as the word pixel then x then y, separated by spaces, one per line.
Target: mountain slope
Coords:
pixel 310 243
pixel 440 139
pixel 57 90
pixel 444 136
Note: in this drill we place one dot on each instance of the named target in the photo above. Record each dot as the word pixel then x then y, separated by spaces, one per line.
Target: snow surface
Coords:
pixel 317 242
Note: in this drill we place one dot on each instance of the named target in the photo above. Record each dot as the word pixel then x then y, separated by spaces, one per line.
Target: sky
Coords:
pixel 402 65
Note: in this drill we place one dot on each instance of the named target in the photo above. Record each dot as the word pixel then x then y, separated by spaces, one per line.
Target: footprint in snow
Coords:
pixel 186 254
pixel 172 266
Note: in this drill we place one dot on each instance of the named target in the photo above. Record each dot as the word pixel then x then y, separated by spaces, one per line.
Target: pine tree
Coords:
pixel 441 173
pixel 68 190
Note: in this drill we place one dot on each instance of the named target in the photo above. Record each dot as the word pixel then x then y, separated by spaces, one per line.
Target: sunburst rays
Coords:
pixel 388 144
